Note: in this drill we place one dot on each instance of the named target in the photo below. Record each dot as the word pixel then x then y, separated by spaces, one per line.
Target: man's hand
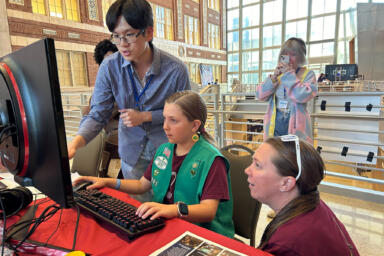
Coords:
pixel 75 144
pixel 132 118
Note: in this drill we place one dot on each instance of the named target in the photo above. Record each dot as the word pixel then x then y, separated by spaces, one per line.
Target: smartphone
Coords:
pixel 284 59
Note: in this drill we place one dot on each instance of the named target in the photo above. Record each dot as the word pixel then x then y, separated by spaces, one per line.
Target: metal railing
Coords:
pixel 238 118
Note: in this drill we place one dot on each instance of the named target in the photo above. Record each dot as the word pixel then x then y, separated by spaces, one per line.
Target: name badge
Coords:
pixel 283 104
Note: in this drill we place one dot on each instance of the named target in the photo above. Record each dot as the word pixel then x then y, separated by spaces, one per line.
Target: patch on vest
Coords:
pixel 161 162
pixel 167 152
pixel 193 171
pixel 156 172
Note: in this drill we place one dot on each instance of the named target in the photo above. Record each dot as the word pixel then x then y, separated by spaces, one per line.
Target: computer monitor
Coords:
pixel 32 134
pixel 341 72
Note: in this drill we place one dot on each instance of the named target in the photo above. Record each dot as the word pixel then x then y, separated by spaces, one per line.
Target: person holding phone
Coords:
pixel 288 90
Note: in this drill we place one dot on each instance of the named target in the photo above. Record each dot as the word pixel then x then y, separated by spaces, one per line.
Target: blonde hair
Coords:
pixel 297 47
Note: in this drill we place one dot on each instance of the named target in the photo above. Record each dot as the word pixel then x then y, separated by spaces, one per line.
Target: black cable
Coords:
pixel 57 227
pixel 77 225
pixel 44 216
pixel 4 225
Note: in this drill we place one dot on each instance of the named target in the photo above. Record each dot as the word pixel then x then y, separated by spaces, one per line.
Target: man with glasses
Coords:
pixel 139 77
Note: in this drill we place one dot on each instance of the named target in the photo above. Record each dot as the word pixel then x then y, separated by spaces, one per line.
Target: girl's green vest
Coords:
pixel 190 181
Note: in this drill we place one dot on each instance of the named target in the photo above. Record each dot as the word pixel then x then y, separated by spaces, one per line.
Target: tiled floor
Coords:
pixel 363 220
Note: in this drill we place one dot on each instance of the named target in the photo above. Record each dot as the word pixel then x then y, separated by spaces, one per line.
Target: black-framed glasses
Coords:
pixel 291 137
pixel 128 38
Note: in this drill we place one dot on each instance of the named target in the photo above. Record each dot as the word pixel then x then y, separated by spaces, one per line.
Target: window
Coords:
pixel 253 45
pixel 296 9
pixel 250 61
pixel 192 35
pixel 296 29
pixel 72 10
pixel 213 36
pixel 162 20
pixel 68 9
pixel 250 38
pixel 233 62
pixel 274 12
pixel 233 19
pixel 55 8
pixel 323 6
pixel 105 6
pixel 214 4
pixel 233 41
pixel 251 16
pixel 323 28
pixel 72 69
pixel 194 72
pixel 38 6
pixel 216 70
pixel 272 35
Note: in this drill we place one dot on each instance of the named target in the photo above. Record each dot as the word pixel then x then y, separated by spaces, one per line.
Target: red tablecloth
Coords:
pixel 98 238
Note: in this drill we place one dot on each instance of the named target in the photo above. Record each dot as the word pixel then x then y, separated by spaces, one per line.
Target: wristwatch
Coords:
pixel 182 209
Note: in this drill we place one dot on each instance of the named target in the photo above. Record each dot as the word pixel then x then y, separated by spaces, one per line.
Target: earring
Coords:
pixel 195 137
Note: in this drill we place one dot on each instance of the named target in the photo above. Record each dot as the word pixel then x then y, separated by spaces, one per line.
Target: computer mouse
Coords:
pixel 82 185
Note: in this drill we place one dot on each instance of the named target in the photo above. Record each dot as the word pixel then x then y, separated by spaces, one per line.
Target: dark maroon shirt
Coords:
pixel 216 183
pixel 316 233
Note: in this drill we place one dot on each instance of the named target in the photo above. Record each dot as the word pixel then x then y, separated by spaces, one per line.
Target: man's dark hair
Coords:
pixel 137 13
pixel 102 48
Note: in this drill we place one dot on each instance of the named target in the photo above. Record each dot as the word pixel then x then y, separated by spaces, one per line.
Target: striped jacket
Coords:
pixel 299 92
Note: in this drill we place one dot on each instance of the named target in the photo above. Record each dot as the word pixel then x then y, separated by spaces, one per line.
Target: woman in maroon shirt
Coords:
pixel 284 174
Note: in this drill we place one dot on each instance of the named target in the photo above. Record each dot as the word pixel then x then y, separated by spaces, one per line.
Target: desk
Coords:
pixel 98 238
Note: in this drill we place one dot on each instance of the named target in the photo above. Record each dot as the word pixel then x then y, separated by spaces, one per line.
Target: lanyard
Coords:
pixel 137 97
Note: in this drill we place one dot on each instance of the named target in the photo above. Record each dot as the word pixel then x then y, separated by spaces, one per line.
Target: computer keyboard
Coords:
pixel 116 212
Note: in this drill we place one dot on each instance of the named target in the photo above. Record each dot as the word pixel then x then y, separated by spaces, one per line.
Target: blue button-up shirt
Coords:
pixel 113 84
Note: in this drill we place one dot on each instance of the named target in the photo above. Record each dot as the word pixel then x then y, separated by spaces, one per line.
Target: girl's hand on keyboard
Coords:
pixel 97 182
pixel 156 210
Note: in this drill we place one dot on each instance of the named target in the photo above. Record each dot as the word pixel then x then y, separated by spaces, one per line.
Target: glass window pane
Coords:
pixel 270 58
pixel 321 50
pixel 296 29
pixel 64 68
pixel 79 69
pixel 245 2
pixel 233 41
pixel 273 11
pixel 38 6
pixel 251 16
pixel 250 61
pixel 297 9
pixel 232 3
pixel 250 38
pixel 233 62
pixel 231 77
pixel 323 28
pixel 347 4
pixel 233 19
pixel 55 8
pixel 72 9
pixel 323 6
pixel 105 5
pixel 342 54
pixel 272 35
pixel 250 78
